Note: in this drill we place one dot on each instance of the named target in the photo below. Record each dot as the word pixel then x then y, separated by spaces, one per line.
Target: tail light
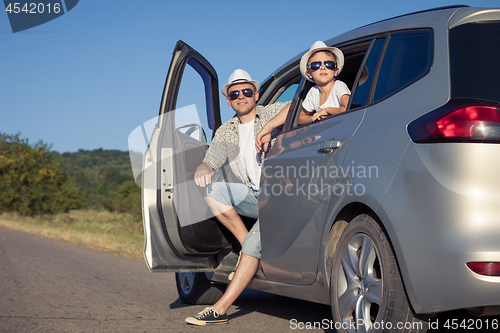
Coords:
pixel 458 121
pixel 485 268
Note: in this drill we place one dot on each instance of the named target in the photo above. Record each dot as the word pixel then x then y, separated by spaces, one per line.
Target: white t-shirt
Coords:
pixel 248 153
pixel 311 102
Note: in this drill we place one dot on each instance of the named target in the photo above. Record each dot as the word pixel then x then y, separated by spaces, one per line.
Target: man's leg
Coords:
pixel 244 274
pixel 228 216
pixel 216 314
pixel 249 262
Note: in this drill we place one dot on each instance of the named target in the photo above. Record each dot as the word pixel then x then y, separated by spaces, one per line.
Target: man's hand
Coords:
pixel 203 175
pixel 263 138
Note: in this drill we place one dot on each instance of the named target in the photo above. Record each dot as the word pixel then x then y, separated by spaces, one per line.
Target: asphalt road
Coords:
pixel 51 286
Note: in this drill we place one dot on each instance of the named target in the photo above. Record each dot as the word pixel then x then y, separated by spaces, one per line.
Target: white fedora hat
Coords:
pixel 239 76
pixel 320 46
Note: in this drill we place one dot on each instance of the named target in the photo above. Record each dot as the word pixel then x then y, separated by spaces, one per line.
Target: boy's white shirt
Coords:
pixel 248 153
pixel 311 102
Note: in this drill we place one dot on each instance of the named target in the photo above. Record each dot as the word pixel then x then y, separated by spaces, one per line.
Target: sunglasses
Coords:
pixel 236 93
pixel 315 65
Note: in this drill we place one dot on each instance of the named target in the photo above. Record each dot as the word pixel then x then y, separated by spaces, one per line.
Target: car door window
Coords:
pixel 280 88
pixel 190 115
pixel 407 58
pixel 287 94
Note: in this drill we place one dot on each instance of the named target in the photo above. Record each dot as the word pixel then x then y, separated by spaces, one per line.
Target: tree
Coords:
pixel 32 180
pixel 104 180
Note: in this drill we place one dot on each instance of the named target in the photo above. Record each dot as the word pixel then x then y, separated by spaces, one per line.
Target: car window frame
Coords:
pixel 375 72
pixel 270 87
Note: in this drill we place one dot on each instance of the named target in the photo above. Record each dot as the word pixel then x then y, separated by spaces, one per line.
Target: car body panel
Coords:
pixel 299 185
pixel 460 211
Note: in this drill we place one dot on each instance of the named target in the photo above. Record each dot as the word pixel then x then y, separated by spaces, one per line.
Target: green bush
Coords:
pixel 32 180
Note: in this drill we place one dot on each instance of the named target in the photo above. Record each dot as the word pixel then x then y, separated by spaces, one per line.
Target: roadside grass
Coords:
pixel 117 233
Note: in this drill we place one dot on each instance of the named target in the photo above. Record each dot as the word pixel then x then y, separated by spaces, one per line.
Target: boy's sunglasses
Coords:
pixel 236 93
pixel 315 65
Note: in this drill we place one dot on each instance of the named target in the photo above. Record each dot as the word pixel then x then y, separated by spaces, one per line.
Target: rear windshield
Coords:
pixel 475 61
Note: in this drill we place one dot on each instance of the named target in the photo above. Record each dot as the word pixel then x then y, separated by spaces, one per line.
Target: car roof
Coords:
pixel 420 19
pixel 414 13
pixel 426 18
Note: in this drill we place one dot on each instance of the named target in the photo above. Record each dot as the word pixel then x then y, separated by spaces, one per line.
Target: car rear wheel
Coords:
pixel 195 288
pixel 367 292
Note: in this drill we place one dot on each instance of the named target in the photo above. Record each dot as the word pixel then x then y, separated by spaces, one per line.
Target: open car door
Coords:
pixel 180 232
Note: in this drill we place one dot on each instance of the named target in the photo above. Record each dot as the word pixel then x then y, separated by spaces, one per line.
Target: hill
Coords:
pixel 104 180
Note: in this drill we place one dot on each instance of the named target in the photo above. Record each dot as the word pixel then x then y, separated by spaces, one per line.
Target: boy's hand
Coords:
pixel 203 175
pixel 320 115
pixel 263 138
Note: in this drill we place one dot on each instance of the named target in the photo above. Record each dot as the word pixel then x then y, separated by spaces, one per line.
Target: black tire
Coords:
pixel 366 285
pixel 196 289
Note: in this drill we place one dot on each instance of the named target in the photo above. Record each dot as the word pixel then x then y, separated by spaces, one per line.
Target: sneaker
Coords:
pixel 209 316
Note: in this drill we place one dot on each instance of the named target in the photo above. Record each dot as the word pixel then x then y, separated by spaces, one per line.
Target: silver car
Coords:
pixel 388 212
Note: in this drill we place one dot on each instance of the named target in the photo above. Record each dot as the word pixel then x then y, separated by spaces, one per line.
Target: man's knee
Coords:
pixel 252 244
pixel 212 202
pixel 216 206
pixel 209 200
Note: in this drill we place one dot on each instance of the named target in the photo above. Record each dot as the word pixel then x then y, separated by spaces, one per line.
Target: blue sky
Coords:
pixel 87 79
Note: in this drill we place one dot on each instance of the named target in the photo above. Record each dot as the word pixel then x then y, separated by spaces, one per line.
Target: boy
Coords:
pixel 321 65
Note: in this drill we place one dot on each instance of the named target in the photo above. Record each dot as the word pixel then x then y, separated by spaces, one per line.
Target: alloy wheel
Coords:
pixel 360 283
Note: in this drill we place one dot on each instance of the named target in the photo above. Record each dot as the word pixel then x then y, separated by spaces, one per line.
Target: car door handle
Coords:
pixel 328 146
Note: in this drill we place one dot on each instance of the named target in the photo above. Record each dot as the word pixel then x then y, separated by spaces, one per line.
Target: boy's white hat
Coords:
pixel 239 76
pixel 319 46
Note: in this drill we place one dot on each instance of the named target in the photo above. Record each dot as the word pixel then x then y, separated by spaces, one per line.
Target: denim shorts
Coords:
pixel 243 198
pixel 251 244
pixel 245 201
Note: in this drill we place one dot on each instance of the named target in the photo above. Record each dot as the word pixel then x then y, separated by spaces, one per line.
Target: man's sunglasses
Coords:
pixel 236 93
pixel 315 65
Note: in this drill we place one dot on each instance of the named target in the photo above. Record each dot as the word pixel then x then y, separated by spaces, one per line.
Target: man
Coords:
pixel 234 141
